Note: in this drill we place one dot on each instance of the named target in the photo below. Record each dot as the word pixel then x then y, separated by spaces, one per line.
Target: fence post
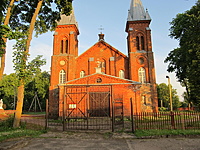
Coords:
pixel 47 114
pixel 132 121
pixel 182 121
pixel 113 116
pixel 113 110
pixel 64 113
pixel 172 119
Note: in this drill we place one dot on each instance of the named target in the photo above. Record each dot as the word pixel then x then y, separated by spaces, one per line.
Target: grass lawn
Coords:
pixel 142 133
pixel 15 133
pixel 7 132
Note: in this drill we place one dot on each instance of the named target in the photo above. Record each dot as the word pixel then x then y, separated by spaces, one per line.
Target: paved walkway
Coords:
pixel 105 141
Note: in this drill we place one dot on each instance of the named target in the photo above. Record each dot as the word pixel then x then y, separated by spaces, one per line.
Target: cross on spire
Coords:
pixel 101 29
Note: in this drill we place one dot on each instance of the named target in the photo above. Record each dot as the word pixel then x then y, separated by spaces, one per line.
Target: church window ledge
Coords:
pixel 141 51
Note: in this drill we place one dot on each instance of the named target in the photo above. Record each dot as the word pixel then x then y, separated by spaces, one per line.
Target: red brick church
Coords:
pixel 102 81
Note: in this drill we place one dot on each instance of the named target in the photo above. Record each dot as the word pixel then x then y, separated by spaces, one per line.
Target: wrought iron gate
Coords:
pixel 88 107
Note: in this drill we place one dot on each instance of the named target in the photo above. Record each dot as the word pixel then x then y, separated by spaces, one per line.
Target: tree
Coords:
pixel 2 11
pixel 35 7
pixel 163 96
pixel 38 85
pixel 187 100
pixel 185 59
pixel 38 82
pixel 4 31
pixel 8 90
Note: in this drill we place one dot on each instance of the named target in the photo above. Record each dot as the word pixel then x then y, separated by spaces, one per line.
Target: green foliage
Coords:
pixel 2 8
pixel 8 89
pixel 20 57
pixel 36 82
pixel 163 94
pixel 46 20
pixel 4 31
pixel 40 85
pixel 34 66
pixel 185 60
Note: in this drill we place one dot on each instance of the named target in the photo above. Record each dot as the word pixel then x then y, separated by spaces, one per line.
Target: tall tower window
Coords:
pixel 121 74
pixel 61 46
pixel 142 75
pixel 140 44
pixel 66 44
pixel 62 76
pixel 82 74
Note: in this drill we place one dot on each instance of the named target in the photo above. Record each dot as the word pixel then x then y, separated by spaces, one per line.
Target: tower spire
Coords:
pixel 137 11
pixel 66 20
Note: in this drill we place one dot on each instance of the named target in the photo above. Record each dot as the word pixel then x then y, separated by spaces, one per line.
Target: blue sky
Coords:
pixel 112 16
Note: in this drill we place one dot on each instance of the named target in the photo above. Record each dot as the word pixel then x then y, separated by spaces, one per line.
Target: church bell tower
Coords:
pixel 65 51
pixel 141 60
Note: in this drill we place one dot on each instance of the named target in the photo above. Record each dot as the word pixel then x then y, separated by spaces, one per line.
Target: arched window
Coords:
pixel 142 43
pixel 66 44
pixel 142 75
pixel 82 74
pixel 138 43
pixel 62 76
pixel 61 46
pixel 121 74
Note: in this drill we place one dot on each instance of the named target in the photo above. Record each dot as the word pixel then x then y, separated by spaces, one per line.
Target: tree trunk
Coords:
pixel 20 96
pixel 32 25
pixel 6 22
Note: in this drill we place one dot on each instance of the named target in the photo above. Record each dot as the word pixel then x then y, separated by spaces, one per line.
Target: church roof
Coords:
pixel 107 45
pixel 67 20
pixel 137 11
pixel 119 80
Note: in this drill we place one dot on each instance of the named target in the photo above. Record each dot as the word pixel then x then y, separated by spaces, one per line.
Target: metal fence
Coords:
pixel 87 108
pixel 166 120
pixel 136 121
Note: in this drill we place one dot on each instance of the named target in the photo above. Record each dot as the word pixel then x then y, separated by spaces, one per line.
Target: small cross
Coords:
pixel 101 29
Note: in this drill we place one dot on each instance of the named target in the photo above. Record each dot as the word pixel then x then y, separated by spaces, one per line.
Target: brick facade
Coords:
pixel 131 76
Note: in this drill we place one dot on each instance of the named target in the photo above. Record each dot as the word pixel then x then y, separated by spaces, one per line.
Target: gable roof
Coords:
pixel 108 46
pixel 117 79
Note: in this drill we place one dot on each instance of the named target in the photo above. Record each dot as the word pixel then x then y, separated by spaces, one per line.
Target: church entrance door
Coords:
pixel 88 107
pixel 99 104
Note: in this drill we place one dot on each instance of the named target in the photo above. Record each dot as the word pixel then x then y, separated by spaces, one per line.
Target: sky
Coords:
pixel 111 15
